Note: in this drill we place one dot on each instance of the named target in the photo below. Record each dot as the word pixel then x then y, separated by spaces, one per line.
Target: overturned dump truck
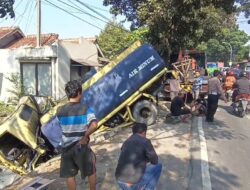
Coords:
pixel 120 93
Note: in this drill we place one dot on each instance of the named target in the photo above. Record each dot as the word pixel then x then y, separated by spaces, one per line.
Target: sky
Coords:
pixel 57 21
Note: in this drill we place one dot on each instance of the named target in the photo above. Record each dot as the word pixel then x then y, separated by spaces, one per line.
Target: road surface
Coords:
pixel 221 152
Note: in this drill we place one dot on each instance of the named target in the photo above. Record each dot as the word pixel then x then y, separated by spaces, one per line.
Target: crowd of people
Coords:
pixel 138 166
pixel 217 88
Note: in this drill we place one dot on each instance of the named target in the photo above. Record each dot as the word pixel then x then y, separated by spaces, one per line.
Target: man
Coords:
pixel 197 85
pixel 229 81
pixel 78 122
pixel 133 171
pixel 174 84
pixel 214 92
pixel 178 108
pixel 243 86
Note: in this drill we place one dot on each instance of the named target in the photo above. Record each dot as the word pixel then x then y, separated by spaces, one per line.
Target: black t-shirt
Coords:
pixel 135 153
pixel 176 105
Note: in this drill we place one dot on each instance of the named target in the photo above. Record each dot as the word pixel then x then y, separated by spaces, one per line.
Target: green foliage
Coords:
pixel 6 8
pixel 243 53
pixel 6 110
pixel 244 7
pixel 219 49
pixel 177 24
pixel 140 34
pixel 17 89
pixel 114 38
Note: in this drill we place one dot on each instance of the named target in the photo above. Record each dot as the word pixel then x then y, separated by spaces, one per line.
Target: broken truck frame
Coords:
pixel 124 110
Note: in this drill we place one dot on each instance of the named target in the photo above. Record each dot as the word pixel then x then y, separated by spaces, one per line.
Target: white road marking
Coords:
pixel 248 116
pixel 206 181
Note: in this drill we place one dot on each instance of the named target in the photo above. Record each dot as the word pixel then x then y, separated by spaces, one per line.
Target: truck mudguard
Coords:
pixel 123 80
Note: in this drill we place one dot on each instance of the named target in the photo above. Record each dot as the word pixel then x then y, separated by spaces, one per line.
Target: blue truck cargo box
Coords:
pixel 123 80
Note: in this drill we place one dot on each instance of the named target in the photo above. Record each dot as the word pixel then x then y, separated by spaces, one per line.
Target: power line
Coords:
pixel 20 17
pixel 88 7
pixel 14 9
pixel 109 21
pixel 72 14
pixel 83 11
pixel 98 8
pixel 29 16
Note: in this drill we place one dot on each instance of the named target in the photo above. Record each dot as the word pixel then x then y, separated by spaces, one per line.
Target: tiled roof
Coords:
pixel 4 31
pixel 30 41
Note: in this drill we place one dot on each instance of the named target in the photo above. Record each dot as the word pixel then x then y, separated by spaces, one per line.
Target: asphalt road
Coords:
pixel 228 150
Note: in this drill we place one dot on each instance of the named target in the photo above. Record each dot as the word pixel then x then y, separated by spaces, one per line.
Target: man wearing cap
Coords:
pixel 77 122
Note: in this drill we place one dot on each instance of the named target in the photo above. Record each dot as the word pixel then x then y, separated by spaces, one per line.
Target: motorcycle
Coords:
pixel 242 105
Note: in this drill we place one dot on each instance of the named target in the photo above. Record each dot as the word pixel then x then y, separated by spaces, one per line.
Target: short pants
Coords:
pixel 78 157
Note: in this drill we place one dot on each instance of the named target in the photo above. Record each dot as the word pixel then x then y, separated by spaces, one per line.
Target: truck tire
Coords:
pixel 145 112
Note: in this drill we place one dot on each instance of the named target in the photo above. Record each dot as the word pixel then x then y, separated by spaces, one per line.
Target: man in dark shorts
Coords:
pixel 78 122
pixel 138 166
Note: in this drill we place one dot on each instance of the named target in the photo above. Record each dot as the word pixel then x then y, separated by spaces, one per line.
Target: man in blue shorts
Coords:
pixel 78 122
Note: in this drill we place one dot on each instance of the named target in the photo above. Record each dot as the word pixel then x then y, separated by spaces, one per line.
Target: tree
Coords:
pixel 17 88
pixel 6 8
pixel 218 48
pixel 244 8
pixel 115 38
pixel 176 24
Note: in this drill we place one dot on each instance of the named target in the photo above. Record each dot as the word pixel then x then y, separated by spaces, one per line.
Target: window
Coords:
pixel 36 78
pixel 77 71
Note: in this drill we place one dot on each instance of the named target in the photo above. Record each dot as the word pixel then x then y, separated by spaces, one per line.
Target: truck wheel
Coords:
pixel 145 112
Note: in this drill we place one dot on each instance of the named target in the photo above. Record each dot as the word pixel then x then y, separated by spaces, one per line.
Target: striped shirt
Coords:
pixel 74 118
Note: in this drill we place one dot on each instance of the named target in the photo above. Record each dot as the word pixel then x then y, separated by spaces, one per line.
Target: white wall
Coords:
pixel 9 60
pixel 9 64
pixel 62 71
pixel 60 65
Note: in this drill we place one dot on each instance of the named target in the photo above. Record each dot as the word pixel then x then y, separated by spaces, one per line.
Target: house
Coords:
pixel 44 70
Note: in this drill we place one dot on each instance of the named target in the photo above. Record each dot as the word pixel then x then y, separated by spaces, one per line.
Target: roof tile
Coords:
pixel 4 31
pixel 30 41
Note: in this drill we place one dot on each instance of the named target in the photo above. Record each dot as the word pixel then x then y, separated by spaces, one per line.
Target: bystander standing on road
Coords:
pixel 138 167
pixel 215 91
pixel 197 85
pixel 78 122
pixel 174 84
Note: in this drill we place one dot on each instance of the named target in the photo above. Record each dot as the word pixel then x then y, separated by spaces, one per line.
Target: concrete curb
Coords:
pixel 194 171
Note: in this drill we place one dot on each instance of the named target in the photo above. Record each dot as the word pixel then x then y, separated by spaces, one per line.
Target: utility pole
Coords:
pixel 38 38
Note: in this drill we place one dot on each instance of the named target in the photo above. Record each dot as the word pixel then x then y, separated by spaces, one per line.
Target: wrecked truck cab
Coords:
pixel 120 94
pixel 20 148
